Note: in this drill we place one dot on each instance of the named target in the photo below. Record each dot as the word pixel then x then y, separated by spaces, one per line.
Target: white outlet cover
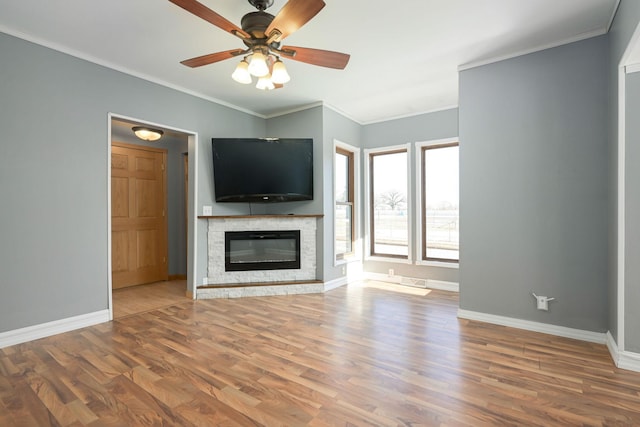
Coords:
pixel 207 210
pixel 543 303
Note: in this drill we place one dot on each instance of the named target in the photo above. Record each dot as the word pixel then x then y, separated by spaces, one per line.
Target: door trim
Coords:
pixel 632 46
pixel 192 246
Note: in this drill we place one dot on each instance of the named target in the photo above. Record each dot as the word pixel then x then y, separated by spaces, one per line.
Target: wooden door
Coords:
pixel 138 215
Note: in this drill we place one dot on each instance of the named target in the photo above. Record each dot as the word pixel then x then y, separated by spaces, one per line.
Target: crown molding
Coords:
pixel 579 37
pixel 409 115
pixel 83 56
pixel 293 110
pixel 613 15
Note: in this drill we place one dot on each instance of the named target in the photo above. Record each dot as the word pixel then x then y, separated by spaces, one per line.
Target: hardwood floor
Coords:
pixel 362 355
pixel 138 299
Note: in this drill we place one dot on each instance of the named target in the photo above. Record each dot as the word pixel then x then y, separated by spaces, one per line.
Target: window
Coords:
pixel 440 202
pixel 344 196
pixel 388 204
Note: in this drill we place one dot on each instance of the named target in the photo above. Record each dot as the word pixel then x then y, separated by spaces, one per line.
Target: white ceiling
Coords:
pixel 405 54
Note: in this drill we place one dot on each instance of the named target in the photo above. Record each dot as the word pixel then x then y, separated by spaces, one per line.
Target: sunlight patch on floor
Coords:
pixel 394 287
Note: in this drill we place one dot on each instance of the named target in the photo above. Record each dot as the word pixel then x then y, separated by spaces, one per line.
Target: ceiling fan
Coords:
pixel 262 33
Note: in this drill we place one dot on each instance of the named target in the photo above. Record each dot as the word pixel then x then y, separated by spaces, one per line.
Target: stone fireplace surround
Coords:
pixel 232 284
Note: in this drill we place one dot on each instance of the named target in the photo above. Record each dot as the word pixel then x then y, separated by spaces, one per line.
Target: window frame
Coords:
pixel 369 198
pixel 354 196
pixel 421 213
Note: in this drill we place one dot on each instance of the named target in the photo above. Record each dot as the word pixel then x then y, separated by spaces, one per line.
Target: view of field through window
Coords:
pixel 441 194
pixel 389 204
pixel 390 223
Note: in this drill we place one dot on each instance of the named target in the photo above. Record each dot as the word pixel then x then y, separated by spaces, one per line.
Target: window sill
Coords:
pixel 453 265
pixel 389 259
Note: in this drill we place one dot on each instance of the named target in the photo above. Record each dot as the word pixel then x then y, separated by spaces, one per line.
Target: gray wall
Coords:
pixel 335 127
pixel 632 213
pixel 624 25
pixel 534 161
pixel 424 127
pixel 53 174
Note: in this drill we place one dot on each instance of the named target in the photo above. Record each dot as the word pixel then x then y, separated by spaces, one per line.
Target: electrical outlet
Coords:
pixel 344 271
pixel 207 210
pixel 543 303
pixel 391 272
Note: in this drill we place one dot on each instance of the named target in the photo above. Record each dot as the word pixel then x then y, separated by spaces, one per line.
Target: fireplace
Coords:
pixel 261 250
pixel 218 275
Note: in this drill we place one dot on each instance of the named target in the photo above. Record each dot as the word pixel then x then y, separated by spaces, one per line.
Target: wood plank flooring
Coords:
pixel 362 355
pixel 138 299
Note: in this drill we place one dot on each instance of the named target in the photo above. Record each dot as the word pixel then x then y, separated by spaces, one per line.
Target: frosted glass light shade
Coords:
pixel 258 66
pixel 241 73
pixel 279 74
pixel 265 83
pixel 147 134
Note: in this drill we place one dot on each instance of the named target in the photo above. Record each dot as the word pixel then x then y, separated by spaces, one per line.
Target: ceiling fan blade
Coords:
pixel 323 58
pixel 209 15
pixel 292 16
pixel 199 61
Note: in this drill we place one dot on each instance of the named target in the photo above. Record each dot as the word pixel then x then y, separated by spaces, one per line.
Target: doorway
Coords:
pixel 178 255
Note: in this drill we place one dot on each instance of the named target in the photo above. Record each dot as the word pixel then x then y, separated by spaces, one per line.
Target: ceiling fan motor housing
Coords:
pixel 255 23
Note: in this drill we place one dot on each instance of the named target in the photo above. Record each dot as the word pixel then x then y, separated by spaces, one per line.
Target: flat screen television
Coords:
pixel 262 170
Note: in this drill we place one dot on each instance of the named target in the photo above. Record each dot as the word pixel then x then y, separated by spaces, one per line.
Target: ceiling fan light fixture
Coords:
pixel 146 133
pixel 279 74
pixel 265 83
pixel 261 34
pixel 258 66
pixel 241 73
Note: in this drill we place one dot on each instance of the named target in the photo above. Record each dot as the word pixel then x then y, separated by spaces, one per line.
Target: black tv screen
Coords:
pixel 262 169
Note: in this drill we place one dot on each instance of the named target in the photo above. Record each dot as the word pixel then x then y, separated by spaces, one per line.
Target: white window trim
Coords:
pixel 418 206
pixel 367 202
pixel 357 196
pixel 453 264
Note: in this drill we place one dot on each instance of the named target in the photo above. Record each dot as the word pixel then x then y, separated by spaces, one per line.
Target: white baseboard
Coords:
pixel 43 330
pixel 613 348
pixel 623 359
pixel 335 283
pixel 428 283
pixel 442 285
pixel 629 360
pixel 545 328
